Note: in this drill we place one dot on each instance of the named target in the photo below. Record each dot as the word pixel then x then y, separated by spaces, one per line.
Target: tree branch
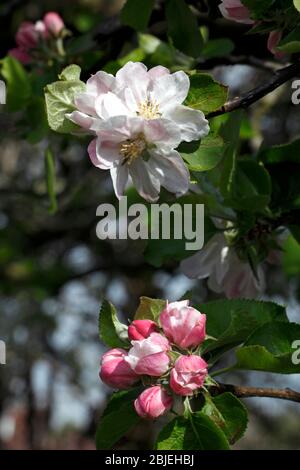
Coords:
pixel 246 392
pixel 279 78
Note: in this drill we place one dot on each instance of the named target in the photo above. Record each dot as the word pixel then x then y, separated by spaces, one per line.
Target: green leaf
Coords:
pixel 183 28
pixel 118 418
pixel 70 73
pixel 281 153
pixel 17 84
pixel 112 332
pixel 135 15
pixel 232 321
pixel 228 413
pixel 149 309
pixel 37 120
pixel 198 432
pixel 207 155
pixel 60 99
pixel 290 43
pixel 50 179
pixel 206 94
pixel 297 5
pixel 258 8
pixel 291 257
pixel 269 349
pixel 217 48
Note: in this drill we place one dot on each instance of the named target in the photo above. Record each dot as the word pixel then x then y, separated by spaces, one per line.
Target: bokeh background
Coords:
pixel 54 271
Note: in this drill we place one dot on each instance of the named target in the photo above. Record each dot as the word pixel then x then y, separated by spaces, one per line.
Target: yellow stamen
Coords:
pixel 132 149
pixel 149 110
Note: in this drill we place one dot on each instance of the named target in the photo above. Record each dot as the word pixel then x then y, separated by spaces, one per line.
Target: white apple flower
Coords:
pixel 153 98
pixel 225 271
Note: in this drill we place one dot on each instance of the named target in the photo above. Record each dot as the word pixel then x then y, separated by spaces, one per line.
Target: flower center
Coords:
pixel 132 148
pixel 149 109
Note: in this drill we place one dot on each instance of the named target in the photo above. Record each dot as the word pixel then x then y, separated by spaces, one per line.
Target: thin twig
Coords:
pixel 246 392
pixel 279 78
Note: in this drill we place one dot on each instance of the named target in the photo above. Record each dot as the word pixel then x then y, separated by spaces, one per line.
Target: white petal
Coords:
pixel 110 105
pixel 81 119
pixel 202 264
pixel 134 75
pixel 162 132
pixel 85 103
pixel 192 123
pixel 170 90
pixel 146 184
pixel 104 155
pixel 119 176
pixel 157 72
pixel 171 171
pixel 100 83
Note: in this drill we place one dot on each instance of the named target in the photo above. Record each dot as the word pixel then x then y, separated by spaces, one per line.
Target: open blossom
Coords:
pixel 188 375
pixel 153 402
pixel 149 356
pixel 234 10
pixel 141 329
pixel 183 325
pixel 115 371
pixel 139 119
pixel 226 272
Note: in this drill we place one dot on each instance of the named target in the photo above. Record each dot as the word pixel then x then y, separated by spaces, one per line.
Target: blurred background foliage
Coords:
pixel 53 269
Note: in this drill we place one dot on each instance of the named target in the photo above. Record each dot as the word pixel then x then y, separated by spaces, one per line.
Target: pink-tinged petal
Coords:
pixel 119 176
pixel 115 371
pixel 154 365
pixel 20 55
pixel 85 103
pixel 170 90
pixel 188 375
pixel 102 154
pixel 273 41
pixel 192 123
pixel 157 72
pixel 100 83
pixel 234 10
pixel 27 36
pixel 141 329
pixel 110 105
pixel 53 22
pixel 134 75
pixel 171 171
pixel 153 402
pixel 146 184
pixel 81 119
pixel 162 132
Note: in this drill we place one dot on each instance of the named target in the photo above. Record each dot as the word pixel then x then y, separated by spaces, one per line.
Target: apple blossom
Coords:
pixel 234 10
pixel 153 402
pixel 188 375
pixel 141 329
pixel 115 371
pixel 53 23
pixel 183 325
pixel 149 356
pixel 226 272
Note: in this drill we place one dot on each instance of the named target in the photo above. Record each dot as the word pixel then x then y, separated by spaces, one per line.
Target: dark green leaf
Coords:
pixel 50 178
pixel 207 155
pixel 17 83
pixel 112 332
pixel 291 43
pixel 217 48
pixel 135 15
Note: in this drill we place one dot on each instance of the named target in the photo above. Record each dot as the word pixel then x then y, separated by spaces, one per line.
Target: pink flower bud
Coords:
pixel 234 10
pixel 141 329
pixel 149 356
pixel 153 402
pixel 273 41
pixel 27 36
pixel 20 55
pixel 188 375
pixel 54 23
pixel 115 371
pixel 183 325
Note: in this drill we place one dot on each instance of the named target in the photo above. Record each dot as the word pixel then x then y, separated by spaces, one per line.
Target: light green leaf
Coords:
pixel 183 28
pixel 50 179
pixel 228 413
pixel 198 432
pixel 297 5
pixel 291 256
pixel 149 309
pixel 112 332
pixel 208 154
pixel 269 349
pixel 118 418
pixel 206 94
pixel 17 83
pixel 291 43
pixel 70 73
pixel 135 15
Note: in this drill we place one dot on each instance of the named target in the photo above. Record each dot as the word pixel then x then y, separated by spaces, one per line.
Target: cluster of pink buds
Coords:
pixel 30 36
pixel 164 356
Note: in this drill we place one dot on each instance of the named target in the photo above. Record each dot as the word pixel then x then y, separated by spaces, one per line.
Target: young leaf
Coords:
pixel 17 83
pixel 136 16
pixel 70 73
pixel 112 332
pixel 205 93
pixel 118 418
pixel 183 28
pixel 297 5
pixel 269 349
pixel 50 178
pixel 149 309
pixel 228 413
pixel 291 43
pixel 198 432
